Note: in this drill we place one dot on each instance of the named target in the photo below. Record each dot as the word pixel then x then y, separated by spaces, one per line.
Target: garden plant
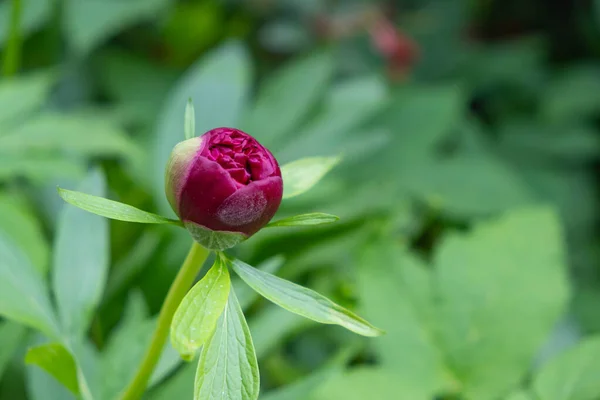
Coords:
pixel 299 200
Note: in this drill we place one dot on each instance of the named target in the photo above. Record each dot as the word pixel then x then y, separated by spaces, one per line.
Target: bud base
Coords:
pixel 214 240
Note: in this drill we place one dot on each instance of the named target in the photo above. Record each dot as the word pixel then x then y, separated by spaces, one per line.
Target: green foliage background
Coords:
pixel 468 192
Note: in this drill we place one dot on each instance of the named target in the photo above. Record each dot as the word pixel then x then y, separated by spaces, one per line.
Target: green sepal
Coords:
pixel 214 240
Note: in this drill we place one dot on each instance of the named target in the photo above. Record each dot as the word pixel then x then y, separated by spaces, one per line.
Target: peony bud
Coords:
pixel 224 186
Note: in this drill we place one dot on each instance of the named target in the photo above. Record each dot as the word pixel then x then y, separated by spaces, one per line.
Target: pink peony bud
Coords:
pixel 224 186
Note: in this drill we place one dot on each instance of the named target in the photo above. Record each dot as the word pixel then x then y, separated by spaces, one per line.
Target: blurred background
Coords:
pixel 468 190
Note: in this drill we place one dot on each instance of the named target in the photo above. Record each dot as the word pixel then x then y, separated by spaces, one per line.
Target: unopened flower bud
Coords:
pixel 224 186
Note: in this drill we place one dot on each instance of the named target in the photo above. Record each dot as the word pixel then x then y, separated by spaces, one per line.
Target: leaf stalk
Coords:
pixel 183 282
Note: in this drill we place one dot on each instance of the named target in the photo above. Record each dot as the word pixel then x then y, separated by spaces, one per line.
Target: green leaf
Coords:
pixel 219 84
pixel 196 317
pixel 572 375
pixel 136 84
pixel 34 14
pixel 246 296
pixel 57 361
pixel 113 209
pixel 227 368
pixel 272 326
pixel 369 383
pixel 167 364
pixel 285 36
pixel 569 189
pixel 85 355
pixel 287 97
pixel 466 186
pixel 517 63
pixel 305 220
pixel 572 95
pixel 302 388
pixel 23 294
pixel 22 95
pixel 301 175
pixel 269 328
pixel 81 134
pixel 81 261
pixel 499 297
pixel 125 348
pixel 180 386
pixel 521 395
pixel 38 168
pixel 21 225
pixel 527 140
pixel 190 120
pixel 334 130
pixel 301 300
pixel 388 275
pixel 139 257
pixel 11 336
pixel 432 111
pixel 585 303
pixel 42 386
pixel 89 23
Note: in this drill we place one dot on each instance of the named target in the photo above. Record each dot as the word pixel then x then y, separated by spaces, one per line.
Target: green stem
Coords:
pixel 184 280
pixel 12 53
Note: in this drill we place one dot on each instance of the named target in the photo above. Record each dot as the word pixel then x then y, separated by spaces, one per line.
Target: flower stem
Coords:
pixel 12 52
pixel 182 283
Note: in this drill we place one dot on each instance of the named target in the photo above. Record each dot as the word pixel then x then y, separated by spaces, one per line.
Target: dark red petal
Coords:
pixel 240 175
pixel 251 207
pixel 207 186
pixel 233 184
